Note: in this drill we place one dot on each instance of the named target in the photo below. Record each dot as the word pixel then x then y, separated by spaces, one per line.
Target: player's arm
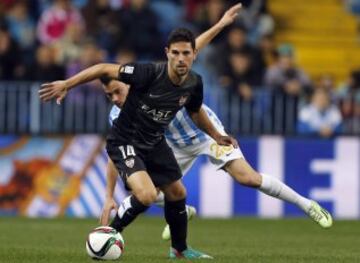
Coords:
pixel 58 89
pixel 227 19
pixel 110 204
pixel 201 119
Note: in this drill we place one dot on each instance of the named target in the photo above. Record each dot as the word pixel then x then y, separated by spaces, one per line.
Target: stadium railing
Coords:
pixel 22 112
pixel 86 111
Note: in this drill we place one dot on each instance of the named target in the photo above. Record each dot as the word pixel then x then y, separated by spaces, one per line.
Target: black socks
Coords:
pixel 129 209
pixel 176 217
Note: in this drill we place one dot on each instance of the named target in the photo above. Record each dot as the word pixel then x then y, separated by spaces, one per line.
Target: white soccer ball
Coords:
pixel 105 243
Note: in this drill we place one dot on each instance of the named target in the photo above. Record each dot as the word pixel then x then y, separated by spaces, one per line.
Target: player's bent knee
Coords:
pixel 180 193
pixel 176 193
pixel 146 196
pixel 249 179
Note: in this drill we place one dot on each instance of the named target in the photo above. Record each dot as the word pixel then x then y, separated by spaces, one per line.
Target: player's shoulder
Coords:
pixel 195 78
pixel 160 69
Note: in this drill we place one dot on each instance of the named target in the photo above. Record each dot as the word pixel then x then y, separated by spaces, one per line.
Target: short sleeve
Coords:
pixel 137 75
pixel 114 114
pixel 196 98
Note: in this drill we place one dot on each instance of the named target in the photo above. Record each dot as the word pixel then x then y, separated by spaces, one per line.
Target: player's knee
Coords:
pixel 178 193
pixel 146 196
pixel 252 179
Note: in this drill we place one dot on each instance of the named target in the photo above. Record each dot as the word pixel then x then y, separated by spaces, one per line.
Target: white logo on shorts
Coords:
pixel 130 162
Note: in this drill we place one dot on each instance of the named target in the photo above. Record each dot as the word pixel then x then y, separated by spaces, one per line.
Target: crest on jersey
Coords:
pixel 130 162
pixel 183 100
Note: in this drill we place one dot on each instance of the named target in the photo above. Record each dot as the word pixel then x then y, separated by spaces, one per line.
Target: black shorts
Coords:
pixel 159 162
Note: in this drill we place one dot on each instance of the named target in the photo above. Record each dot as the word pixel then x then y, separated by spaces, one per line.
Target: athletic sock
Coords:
pixel 274 187
pixel 160 202
pixel 176 217
pixel 129 209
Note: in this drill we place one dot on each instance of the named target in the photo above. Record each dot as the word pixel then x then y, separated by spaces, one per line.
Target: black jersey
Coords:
pixel 152 103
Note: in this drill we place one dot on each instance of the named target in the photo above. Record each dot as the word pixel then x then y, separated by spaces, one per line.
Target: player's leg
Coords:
pixel 243 173
pixel 166 174
pixel 185 159
pixel 175 215
pixel 129 163
pixel 143 195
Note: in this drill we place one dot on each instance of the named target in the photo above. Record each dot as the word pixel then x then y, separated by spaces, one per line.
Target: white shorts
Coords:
pixel 218 155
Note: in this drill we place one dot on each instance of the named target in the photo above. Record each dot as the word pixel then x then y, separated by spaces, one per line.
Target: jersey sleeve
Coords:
pixel 114 114
pixel 137 75
pixel 196 98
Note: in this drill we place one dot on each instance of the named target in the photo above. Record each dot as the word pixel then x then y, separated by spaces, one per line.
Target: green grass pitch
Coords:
pixel 234 240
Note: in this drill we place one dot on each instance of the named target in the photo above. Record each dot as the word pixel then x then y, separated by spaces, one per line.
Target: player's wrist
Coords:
pixel 67 86
pixel 220 25
pixel 109 197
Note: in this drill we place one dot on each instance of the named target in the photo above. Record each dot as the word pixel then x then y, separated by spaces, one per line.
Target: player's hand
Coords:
pixel 227 140
pixel 230 15
pixel 109 205
pixel 56 89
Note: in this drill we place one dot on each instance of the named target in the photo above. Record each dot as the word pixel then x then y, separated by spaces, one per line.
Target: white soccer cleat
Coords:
pixel 191 212
pixel 320 215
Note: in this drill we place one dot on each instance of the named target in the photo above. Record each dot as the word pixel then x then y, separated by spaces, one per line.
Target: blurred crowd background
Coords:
pixel 263 75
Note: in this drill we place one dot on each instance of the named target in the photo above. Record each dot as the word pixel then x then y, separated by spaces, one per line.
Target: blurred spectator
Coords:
pixel 208 14
pixel 141 26
pixel 45 67
pixel 241 75
pixel 55 21
pixel 287 83
pixel 236 41
pixel 326 82
pixel 124 56
pixel 349 100
pixel 353 6
pixel 192 8
pixel 90 55
pixel 22 28
pixel 257 19
pixel 104 28
pixel 68 48
pixel 320 117
pixel 11 67
pixel 284 76
pixel 170 15
pixel 267 48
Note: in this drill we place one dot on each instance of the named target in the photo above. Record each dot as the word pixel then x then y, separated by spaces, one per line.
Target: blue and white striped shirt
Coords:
pixel 181 131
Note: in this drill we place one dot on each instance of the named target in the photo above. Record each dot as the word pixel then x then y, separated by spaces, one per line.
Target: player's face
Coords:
pixel 117 92
pixel 180 56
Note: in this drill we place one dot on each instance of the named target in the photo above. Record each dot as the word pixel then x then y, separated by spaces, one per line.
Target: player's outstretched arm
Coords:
pixel 109 204
pixel 227 19
pixel 202 120
pixel 58 89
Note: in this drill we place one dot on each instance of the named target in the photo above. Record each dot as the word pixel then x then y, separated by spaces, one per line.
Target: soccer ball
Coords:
pixel 105 243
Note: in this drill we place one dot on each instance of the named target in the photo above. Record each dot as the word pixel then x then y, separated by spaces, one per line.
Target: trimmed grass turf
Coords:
pixel 235 240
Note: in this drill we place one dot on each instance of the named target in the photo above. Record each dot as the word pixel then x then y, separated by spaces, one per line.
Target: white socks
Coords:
pixel 274 187
pixel 270 186
pixel 160 199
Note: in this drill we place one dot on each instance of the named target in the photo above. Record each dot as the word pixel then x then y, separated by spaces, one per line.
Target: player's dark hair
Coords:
pixel 105 80
pixel 181 35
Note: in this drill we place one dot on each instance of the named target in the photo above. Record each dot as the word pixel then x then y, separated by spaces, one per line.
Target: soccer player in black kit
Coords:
pixel 136 142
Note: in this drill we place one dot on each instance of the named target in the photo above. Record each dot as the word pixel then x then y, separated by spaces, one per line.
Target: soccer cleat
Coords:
pixel 320 215
pixel 188 253
pixel 191 212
